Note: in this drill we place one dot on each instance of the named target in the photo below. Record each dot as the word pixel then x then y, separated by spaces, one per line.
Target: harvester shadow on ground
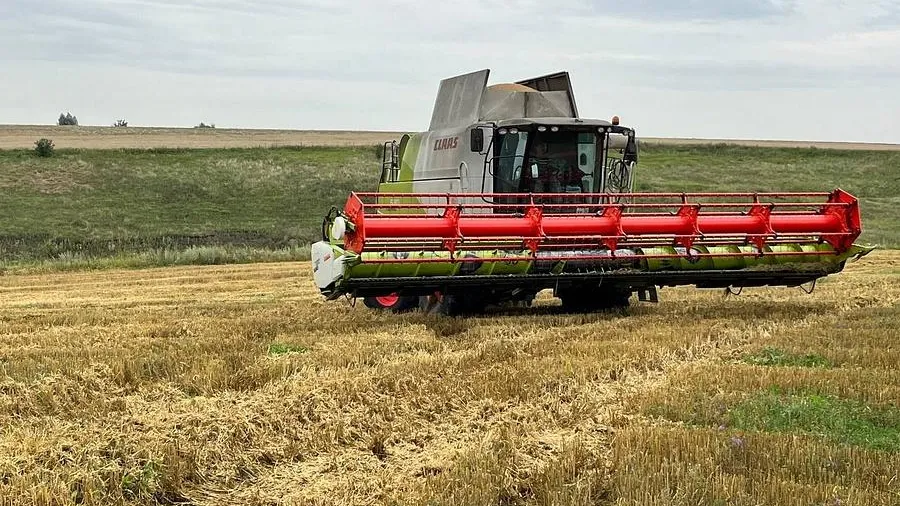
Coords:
pixel 554 316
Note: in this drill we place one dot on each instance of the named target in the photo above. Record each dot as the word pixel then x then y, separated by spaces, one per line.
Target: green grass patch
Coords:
pixel 107 203
pixel 770 356
pixel 93 204
pixel 143 483
pixel 870 175
pixel 164 257
pixel 840 420
pixel 278 349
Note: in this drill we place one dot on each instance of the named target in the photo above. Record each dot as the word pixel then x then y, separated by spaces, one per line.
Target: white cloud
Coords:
pixel 701 68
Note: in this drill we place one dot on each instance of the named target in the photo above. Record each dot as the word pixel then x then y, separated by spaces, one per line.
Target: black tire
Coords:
pixel 589 300
pixel 399 304
pixel 451 305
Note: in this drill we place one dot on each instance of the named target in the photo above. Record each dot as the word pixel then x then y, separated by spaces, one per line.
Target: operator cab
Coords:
pixel 571 156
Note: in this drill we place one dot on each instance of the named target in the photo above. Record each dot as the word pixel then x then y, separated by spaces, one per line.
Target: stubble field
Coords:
pixel 238 385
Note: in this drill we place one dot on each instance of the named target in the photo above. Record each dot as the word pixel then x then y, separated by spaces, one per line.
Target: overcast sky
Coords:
pixel 779 69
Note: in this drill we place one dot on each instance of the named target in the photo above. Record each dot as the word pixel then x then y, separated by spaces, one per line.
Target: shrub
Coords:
pixel 204 125
pixel 120 123
pixel 67 120
pixel 43 147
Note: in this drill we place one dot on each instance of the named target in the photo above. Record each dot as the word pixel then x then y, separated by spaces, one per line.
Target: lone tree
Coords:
pixel 120 123
pixel 67 120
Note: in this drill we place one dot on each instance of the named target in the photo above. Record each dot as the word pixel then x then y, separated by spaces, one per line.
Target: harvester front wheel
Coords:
pixel 393 303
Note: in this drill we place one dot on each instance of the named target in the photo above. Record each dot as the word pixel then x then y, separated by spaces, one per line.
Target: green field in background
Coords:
pixel 163 206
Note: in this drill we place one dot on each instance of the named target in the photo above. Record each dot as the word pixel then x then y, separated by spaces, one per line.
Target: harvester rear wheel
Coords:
pixel 589 300
pixel 393 303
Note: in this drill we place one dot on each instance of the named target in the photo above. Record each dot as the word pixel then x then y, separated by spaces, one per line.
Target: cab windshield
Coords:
pixel 545 162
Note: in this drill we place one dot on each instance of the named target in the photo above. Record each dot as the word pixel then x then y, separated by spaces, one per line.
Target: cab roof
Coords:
pixel 563 122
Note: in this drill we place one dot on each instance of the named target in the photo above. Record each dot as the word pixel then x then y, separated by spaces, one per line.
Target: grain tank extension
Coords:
pixel 510 192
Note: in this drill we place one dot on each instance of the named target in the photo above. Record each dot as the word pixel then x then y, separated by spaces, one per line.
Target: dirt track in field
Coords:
pixel 88 137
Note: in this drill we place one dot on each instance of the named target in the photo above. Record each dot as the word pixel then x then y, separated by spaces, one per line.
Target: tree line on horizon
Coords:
pixel 68 119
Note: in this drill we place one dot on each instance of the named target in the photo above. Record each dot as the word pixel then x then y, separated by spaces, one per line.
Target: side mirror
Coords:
pixel 476 140
pixel 631 150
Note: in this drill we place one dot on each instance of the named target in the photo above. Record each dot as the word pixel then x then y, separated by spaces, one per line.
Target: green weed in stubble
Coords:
pixel 278 349
pixel 770 356
pixel 141 484
pixel 840 420
pixel 836 419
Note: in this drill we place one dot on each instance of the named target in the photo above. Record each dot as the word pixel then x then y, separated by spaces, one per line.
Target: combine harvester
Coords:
pixel 509 193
